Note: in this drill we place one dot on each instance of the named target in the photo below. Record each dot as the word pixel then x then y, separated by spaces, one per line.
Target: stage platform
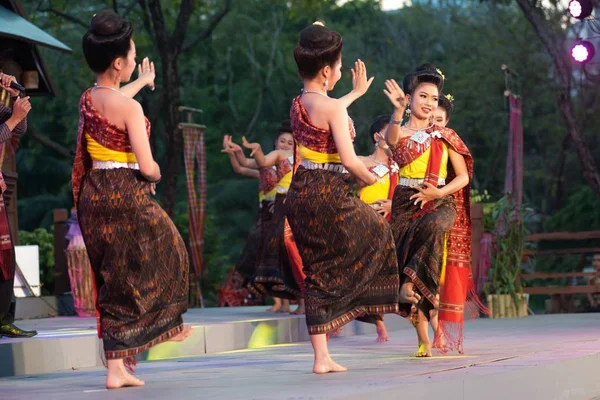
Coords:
pixel 245 353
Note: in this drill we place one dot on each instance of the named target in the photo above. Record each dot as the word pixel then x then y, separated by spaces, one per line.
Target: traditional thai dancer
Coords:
pixel 139 260
pixel 440 117
pixel 379 195
pixel 346 247
pixel 234 292
pixel 275 275
pixel 430 209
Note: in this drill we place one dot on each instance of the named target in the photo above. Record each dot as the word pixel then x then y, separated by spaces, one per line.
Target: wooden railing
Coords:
pixel 572 287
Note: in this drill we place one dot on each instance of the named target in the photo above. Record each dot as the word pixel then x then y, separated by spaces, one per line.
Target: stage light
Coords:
pixel 583 51
pixel 580 9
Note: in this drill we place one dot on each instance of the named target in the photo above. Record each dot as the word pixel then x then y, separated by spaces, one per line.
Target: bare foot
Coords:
pixel 285 307
pixel 327 365
pixel 184 334
pixel 424 350
pixel 120 378
pixel 277 306
pixel 382 335
pixel 301 310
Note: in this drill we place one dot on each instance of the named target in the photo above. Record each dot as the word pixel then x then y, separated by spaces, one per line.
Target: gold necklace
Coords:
pixel 314 91
pixel 417 129
pixel 107 87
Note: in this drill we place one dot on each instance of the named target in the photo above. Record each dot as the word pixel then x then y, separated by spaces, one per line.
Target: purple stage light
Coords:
pixel 583 51
pixel 580 9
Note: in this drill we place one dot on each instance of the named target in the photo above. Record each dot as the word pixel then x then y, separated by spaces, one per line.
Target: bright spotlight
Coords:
pixel 580 9
pixel 583 51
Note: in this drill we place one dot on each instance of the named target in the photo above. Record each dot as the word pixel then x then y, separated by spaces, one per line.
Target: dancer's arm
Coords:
pixel 360 84
pixel 399 100
pixel 462 174
pixel 237 168
pixel 146 75
pixel 136 129
pixel 241 157
pixel 341 135
pixel 429 192
pixel 262 160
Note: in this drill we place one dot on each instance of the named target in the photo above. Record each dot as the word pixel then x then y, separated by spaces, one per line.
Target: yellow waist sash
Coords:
pixel 418 168
pixel 377 191
pixel 284 184
pixel 101 153
pixel 317 157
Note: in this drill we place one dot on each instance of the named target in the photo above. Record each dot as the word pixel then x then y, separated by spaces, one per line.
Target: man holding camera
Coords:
pixel 13 121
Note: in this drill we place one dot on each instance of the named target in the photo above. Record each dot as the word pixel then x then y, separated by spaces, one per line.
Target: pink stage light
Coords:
pixel 583 51
pixel 580 9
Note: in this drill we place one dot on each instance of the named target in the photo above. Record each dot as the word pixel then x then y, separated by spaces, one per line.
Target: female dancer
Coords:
pixel 275 275
pixel 441 115
pixel 139 260
pixel 379 195
pixel 430 217
pixel 347 249
pixel 234 292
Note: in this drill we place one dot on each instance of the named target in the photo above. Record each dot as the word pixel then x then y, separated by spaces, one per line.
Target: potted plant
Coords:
pixel 504 293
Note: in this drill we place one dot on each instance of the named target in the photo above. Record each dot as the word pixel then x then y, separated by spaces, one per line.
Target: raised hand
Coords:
pixel 360 83
pixel 234 146
pixel 226 148
pixel 5 81
pixel 146 72
pixel 253 147
pixel 396 95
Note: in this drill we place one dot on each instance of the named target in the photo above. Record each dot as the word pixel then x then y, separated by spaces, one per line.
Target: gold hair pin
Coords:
pixel 439 71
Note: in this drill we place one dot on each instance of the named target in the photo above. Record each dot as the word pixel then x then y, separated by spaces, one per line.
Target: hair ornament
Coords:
pixel 439 71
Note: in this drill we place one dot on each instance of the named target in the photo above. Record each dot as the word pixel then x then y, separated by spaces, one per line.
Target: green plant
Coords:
pixel 509 245
pixel 44 238
pixel 477 197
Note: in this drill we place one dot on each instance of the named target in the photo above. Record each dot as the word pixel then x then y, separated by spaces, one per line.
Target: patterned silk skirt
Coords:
pixel 420 242
pixel 235 291
pixel 139 260
pixel 248 261
pixel 347 250
pixel 274 275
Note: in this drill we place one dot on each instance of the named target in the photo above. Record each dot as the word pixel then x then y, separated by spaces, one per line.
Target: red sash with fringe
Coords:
pixel 394 178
